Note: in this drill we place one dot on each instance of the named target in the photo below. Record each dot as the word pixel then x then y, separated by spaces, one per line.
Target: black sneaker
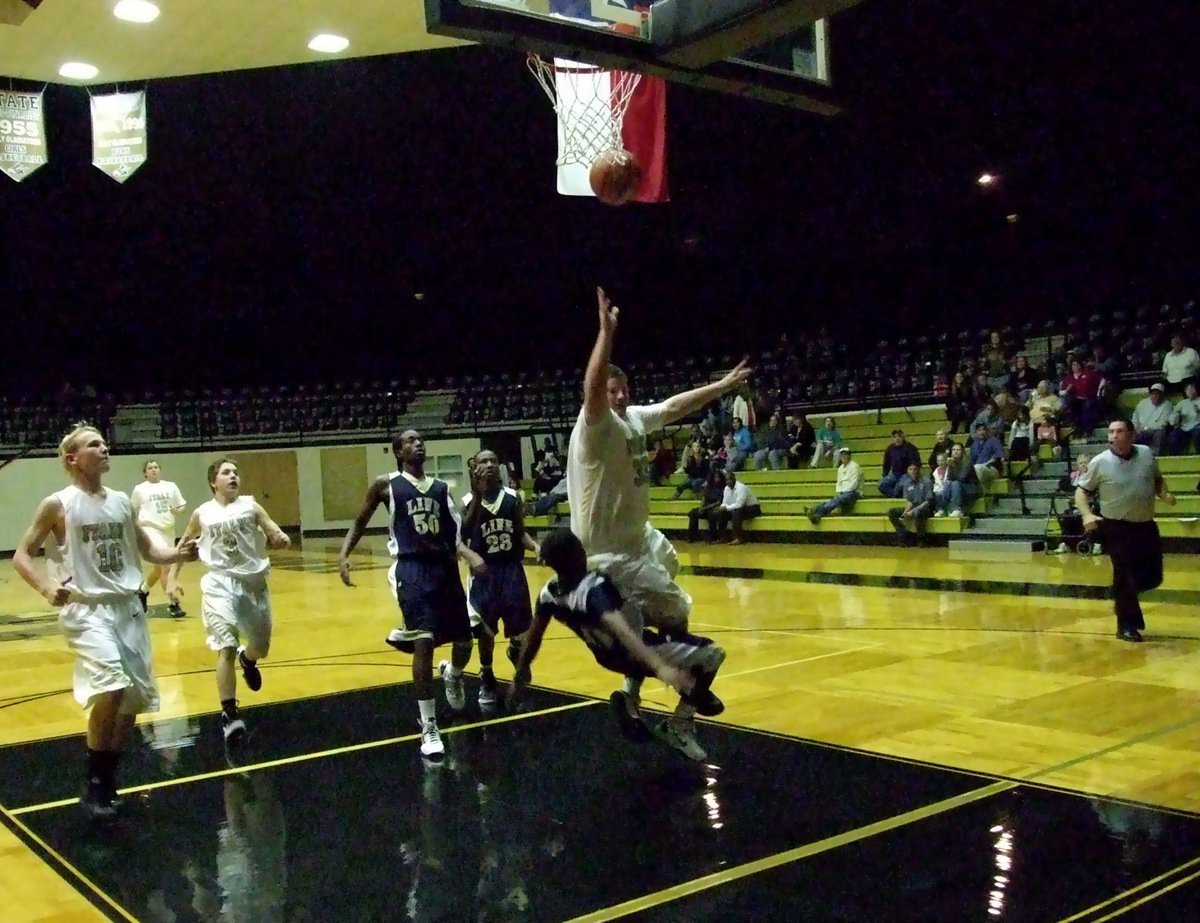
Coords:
pixel 629 717
pixel 98 804
pixel 250 672
pixel 175 610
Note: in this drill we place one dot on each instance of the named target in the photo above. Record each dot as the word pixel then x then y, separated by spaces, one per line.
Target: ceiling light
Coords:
pixel 987 179
pixel 136 11
pixel 77 70
pixel 330 44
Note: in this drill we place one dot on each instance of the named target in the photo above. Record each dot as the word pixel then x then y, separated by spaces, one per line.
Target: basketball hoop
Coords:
pixel 590 116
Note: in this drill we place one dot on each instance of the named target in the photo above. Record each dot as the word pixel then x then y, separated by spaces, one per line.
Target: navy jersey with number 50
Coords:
pixel 424 524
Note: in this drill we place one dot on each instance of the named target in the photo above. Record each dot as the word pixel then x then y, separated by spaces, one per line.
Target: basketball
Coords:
pixel 615 176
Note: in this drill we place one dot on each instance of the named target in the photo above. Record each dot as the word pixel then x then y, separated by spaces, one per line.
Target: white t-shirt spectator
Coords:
pixel 1180 366
pixel 737 496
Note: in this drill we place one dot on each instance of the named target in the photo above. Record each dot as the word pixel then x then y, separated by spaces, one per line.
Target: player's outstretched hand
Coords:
pixel 608 313
pixel 188 550
pixel 736 375
pixel 344 572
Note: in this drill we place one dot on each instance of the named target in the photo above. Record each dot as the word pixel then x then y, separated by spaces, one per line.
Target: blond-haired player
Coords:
pixel 609 490
pixel 156 503
pixel 234 532
pixel 102 616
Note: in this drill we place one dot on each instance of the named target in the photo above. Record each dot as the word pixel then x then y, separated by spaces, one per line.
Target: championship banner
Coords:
pixel 119 133
pixel 22 134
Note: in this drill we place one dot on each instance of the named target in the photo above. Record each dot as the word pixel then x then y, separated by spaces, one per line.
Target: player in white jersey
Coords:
pixel 103 617
pixel 234 533
pixel 609 491
pixel 156 503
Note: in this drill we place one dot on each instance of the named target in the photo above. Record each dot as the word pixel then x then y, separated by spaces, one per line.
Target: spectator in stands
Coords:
pixel 958 403
pixel 548 502
pixel 801 437
pixel 547 472
pixel 696 468
pixel 847 488
pixel 1024 379
pixel 939 471
pixel 743 445
pixel 742 407
pixel 897 458
pixel 981 393
pixel 995 363
pixel 909 520
pixel 989 417
pixel 1180 365
pixel 738 506
pixel 1152 419
pixel 1185 437
pixel 772 444
pixel 1078 391
pixel 661 463
pixel 723 449
pixel 987 456
pixel 941 445
pixel 1109 369
pixel 828 442
pixel 1045 412
pixel 1006 404
pixel 962 486
pixel 710 502
pixel 1020 441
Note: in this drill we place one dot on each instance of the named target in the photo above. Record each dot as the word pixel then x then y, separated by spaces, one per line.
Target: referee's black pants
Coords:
pixel 1137 564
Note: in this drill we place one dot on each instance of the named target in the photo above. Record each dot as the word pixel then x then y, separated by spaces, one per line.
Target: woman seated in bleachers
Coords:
pixel 958 403
pixel 829 440
pixel 772 444
pixel 1045 412
pixel 1020 441
pixel 1185 423
pixel 801 438
pixel 962 486
pixel 696 467
pixel 743 445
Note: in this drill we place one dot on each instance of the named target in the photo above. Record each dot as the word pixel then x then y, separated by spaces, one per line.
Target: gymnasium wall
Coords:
pixel 26 481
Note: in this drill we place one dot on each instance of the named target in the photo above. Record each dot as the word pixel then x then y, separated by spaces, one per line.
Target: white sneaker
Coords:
pixel 956 514
pixel 939 514
pixel 431 741
pixel 1096 549
pixel 682 736
pixel 456 689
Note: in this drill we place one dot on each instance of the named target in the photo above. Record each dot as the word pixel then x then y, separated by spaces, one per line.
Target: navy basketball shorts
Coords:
pixel 502 594
pixel 431 599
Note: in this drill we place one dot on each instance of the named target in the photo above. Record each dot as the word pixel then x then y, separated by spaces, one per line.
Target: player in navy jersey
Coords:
pixel 589 603
pixel 494 528
pixel 424 537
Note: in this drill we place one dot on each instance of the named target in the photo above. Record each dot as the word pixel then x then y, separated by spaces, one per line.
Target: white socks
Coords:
pixel 428 709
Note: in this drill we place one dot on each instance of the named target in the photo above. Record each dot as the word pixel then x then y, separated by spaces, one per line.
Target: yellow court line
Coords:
pixel 1149 897
pixel 1134 890
pixel 696 885
pixel 87 882
pixel 792 663
pixel 305 757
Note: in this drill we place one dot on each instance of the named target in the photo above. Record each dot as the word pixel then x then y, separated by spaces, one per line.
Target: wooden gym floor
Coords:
pixel 907 737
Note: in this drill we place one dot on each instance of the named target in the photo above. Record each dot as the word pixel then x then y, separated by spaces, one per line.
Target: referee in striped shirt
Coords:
pixel 1127 479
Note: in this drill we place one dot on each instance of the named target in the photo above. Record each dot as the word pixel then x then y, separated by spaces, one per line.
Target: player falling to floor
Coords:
pixel 494 528
pixel 156 503
pixel 102 615
pixel 588 603
pixel 234 533
pixel 609 491
pixel 423 536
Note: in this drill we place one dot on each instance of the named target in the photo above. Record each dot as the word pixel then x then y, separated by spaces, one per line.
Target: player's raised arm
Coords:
pixel 376 494
pixel 595 379
pixel 680 405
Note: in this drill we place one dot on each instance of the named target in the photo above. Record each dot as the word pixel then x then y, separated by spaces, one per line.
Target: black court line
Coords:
pixel 935 584
pixel 557 816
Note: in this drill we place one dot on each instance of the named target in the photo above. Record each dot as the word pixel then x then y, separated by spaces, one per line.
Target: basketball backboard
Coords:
pixel 775 50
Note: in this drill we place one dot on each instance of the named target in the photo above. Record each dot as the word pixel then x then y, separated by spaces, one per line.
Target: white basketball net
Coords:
pixel 590 103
